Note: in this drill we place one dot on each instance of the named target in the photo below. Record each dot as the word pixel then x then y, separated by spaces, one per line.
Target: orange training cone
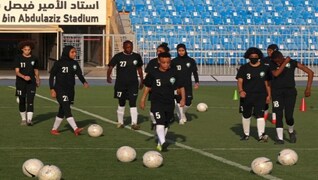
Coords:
pixel 235 96
pixel 302 107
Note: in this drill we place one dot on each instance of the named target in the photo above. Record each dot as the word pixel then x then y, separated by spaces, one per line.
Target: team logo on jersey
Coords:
pixel 74 67
pixel 262 74
pixel 172 80
pixel 32 63
pixel 288 65
pixel 188 64
pixel 135 62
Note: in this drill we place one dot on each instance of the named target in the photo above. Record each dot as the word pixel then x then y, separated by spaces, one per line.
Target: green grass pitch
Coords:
pixel 207 147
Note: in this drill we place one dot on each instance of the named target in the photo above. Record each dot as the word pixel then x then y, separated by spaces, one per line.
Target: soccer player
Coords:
pixel 27 79
pixel 284 92
pixel 270 49
pixel 162 82
pixel 62 82
pixel 186 67
pixel 127 65
pixel 154 64
pixel 252 83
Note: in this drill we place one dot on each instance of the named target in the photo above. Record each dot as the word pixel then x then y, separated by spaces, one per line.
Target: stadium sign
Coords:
pixel 48 12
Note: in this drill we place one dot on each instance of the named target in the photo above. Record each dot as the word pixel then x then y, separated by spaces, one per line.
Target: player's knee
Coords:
pixel 132 104
pixel 67 115
pixel 247 115
pixel 290 121
pixel 122 102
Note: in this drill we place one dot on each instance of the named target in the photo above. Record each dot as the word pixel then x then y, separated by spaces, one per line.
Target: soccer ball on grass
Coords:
pixel 202 107
pixel 95 130
pixel 262 166
pixel 126 154
pixel 152 159
pixel 50 172
pixel 31 167
pixel 287 157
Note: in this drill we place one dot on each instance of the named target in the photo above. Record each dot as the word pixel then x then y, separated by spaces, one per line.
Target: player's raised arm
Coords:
pixel 310 74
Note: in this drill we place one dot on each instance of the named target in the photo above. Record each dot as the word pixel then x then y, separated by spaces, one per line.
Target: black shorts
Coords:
pixel 65 96
pixel 283 98
pixel 188 96
pixel 253 104
pixel 125 93
pixel 163 114
pixel 25 89
pixel 241 105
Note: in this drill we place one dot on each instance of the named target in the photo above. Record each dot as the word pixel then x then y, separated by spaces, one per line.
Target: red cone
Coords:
pixel 302 107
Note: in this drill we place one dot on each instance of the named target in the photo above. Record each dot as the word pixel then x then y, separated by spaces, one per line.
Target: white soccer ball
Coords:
pixel 152 159
pixel 202 107
pixel 31 167
pixel 50 172
pixel 287 157
pixel 126 154
pixel 262 166
pixel 95 130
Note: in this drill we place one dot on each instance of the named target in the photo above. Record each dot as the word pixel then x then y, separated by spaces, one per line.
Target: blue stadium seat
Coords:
pixel 201 20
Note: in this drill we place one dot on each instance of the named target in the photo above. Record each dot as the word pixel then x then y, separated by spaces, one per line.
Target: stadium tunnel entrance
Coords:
pixel 46 38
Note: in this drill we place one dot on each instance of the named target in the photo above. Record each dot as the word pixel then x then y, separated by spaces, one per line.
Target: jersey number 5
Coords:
pixel 158 82
pixel 157 114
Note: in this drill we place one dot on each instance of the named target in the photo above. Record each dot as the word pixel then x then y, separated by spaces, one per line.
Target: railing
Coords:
pixel 219 49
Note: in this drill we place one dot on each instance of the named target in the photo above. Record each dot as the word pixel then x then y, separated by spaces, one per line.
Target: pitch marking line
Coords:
pixel 210 155
pixel 140 148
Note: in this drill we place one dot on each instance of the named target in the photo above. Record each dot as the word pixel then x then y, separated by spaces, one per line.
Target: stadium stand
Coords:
pixel 218 32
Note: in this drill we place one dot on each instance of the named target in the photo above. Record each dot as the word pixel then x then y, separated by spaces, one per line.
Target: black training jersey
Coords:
pixel 64 72
pixel 266 60
pixel 152 64
pixel 126 68
pixel 287 78
pixel 185 68
pixel 26 67
pixel 163 85
pixel 253 78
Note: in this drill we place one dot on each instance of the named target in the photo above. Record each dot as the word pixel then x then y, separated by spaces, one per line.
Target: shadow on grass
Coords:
pixel 270 131
pixel 44 117
pixel 82 124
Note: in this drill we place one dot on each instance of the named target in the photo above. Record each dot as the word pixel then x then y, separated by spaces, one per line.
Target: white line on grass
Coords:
pixel 176 148
pixel 207 154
